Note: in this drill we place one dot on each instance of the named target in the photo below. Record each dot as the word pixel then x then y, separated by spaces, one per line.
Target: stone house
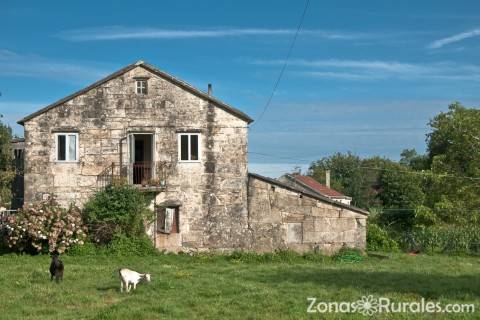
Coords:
pixel 189 151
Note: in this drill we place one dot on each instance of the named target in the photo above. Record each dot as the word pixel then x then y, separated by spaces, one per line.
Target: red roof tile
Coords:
pixel 318 187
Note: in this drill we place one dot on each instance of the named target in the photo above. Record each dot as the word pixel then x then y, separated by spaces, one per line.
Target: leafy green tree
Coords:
pixel 346 175
pixel 7 172
pixel 353 176
pixel 410 158
pixel 401 193
pixel 455 140
pixel 454 156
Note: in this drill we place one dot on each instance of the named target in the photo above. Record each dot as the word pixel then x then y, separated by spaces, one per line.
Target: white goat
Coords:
pixel 128 277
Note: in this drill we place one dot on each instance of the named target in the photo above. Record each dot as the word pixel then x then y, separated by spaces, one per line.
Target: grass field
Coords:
pixel 186 287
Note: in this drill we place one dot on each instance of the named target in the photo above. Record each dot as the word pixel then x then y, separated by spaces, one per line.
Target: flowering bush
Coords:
pixel 45 227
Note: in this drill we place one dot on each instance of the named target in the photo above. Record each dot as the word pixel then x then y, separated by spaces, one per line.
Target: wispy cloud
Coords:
pixel 127 33
pixel 27 65
pixel 455 38
pixel 357 70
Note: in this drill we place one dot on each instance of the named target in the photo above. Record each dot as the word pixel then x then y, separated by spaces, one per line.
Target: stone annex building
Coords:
pixel 189 150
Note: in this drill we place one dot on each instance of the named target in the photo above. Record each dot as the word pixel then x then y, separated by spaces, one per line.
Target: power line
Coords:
pixel 452 176
pixel 282 71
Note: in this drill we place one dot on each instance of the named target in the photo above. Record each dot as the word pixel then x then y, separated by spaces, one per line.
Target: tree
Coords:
pixel 410 158
pixel 400 194
pixel 7 172
pixel 353 176
pixel 346 175
pixel 454 156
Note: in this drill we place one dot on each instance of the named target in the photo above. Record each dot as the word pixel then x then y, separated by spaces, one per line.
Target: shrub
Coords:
pixel 87 249
pixel 379 239
pixel 4 248
pixel 45 227
pixel 119 209
pixel 122 245
pixel 446 239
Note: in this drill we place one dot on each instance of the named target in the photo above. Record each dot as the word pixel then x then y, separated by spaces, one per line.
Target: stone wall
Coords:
pixel 281 218
pixel 212 193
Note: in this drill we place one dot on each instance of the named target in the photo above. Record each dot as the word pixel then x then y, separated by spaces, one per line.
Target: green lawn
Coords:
pixel 185 287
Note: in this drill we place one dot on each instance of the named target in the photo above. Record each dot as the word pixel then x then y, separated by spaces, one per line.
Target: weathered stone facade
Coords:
pixel 212 193
pixel 282 217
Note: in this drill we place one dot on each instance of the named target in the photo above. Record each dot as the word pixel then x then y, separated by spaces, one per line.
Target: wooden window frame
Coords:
pixel 189 154
pixel 141 86
pixel 160 213
pixel 67 147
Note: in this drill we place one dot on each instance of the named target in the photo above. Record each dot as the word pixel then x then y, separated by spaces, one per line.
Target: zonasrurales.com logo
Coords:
pixel 367 305
pixel 370 305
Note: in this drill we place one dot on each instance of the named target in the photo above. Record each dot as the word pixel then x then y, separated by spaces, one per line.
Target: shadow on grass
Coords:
pixel 429 286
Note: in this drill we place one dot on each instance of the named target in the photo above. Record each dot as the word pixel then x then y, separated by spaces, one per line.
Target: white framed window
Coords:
pixel 66 147
pixel 141 86
pixel 189 147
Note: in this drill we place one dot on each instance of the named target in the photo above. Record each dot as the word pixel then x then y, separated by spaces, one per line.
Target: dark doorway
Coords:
pixel 143 158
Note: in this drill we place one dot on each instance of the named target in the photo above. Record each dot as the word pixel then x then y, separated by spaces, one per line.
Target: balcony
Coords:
pixel 148 176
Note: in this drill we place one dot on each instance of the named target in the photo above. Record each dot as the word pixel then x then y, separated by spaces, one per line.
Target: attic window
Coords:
pixel 141 86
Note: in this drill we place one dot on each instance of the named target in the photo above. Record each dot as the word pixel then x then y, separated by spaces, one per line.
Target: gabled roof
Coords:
pixel 316 186
pixel 313 195
pixel 184 85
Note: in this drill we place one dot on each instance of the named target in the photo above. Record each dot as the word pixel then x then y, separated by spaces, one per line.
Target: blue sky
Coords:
pixel 364 76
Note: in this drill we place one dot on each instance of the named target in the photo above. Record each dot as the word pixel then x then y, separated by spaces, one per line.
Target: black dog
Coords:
pixel 56 268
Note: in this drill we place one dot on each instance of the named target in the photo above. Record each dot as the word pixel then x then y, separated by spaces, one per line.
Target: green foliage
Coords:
pixel 122 245
pixel 401 192
pixel 45 227
pixel 424 217
pixel 447 239
pixel 7 172
pixel 87 249
pixel 253 257
pixel 346 175
pixel 454 155
pixel 349 255
pixel 411 159
pixel 283 256
pixel 456 137
pixel 119 209
pixel 4 248
pixel 379 239
pixel 372 182
pixel 316 257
